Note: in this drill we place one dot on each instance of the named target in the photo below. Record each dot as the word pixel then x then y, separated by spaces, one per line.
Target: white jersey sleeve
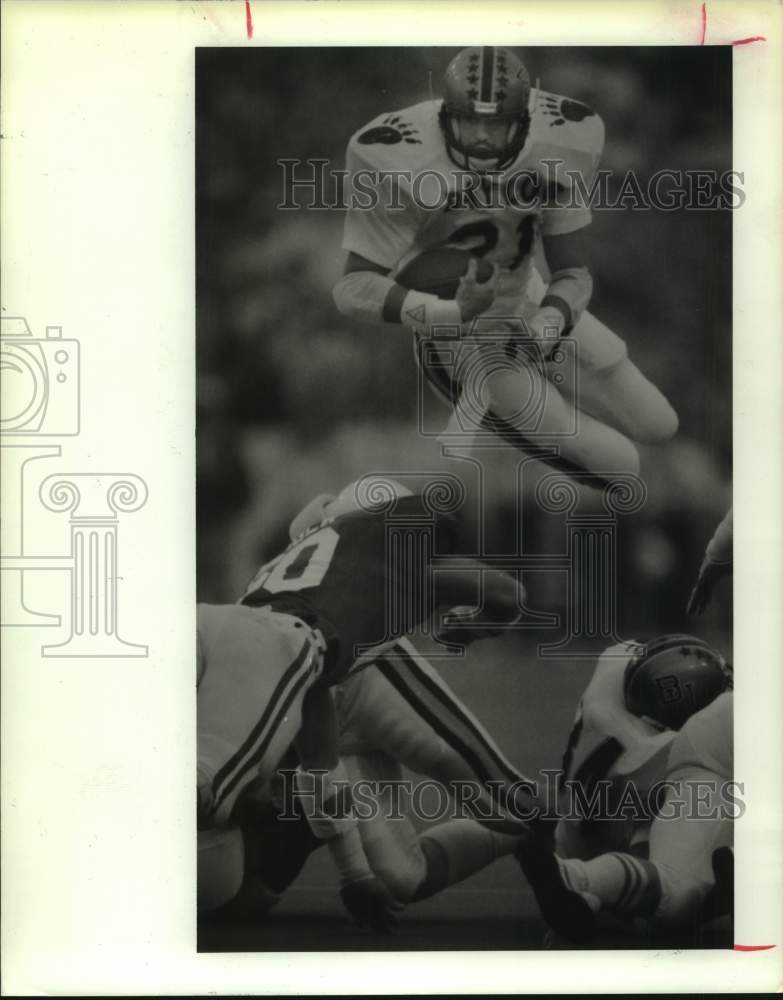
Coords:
pixel 602 715
pixel 383 219
pixel 706 741
pixel 609 743
pixel 568 139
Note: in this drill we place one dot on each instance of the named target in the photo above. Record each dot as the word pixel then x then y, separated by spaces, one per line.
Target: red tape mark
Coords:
pixel 248 19
pixel 739 41
pixel 753 947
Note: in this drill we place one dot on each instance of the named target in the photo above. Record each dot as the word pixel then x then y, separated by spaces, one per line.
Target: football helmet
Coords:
pixel 368 493
pixel 371 492
pixel 672 677
pixel 310 515
pixel 484 115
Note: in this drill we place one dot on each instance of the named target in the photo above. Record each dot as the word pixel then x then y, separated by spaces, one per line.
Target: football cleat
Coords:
pixel 484 115
pixel 568 913
pixel 672 677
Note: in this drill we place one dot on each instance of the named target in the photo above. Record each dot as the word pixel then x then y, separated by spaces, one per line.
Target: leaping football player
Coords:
pixel 437 176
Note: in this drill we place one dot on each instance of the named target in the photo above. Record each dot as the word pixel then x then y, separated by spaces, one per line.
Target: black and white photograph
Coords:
pixel 391 557
pixel 464 488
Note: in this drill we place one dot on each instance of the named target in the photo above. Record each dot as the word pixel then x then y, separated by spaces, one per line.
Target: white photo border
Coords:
pixel 98 237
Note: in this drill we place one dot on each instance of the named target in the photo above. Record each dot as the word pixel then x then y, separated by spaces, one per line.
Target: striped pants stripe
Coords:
pixel 257 667
pixel 401 706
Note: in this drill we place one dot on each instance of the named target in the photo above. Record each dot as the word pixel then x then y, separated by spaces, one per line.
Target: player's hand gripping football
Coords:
pixel 474 297
pixel 370 904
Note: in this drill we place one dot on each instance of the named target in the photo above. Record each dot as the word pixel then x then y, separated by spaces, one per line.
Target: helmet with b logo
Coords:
pixel 484 116
pixel 672 677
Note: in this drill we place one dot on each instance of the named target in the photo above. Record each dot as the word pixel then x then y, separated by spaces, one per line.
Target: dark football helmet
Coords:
pixel 484 115
pixel 672 677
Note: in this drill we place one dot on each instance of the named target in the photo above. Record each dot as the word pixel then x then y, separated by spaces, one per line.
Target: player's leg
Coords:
pixel 244 867
pixel 457 849
pixel 221 867
pixel 607 384
pixel 694 821
pixel 413 866
pixel 257 667
pixel 669 888
pixel 389 838
pixel 508 392
pixel 406 709
pixel 603 381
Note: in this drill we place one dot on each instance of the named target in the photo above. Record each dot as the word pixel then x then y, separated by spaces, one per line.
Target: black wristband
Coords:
pixel 392 304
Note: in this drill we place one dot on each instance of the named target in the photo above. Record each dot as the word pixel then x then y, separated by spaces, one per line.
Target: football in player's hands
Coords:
pixel 441 272
pixel 370 904
pixel 474 296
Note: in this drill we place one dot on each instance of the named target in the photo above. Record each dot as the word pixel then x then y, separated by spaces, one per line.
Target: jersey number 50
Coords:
pixel 303 564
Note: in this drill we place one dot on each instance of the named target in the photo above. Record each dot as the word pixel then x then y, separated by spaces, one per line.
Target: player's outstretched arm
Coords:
pixel 717 563
pixel 495 598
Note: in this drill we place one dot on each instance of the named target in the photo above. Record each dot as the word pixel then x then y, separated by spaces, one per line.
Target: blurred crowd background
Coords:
pixel 294 400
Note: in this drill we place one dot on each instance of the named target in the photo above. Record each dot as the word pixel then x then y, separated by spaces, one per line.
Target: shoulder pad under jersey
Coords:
pixel 410 139
pixel 566 130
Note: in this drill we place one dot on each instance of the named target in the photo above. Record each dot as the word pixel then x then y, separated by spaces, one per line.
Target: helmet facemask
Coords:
pixel 469 152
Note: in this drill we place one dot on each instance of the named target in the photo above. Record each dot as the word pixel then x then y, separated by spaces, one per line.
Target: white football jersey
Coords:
pixel 608 741
pixel 706 741
pixel 426 204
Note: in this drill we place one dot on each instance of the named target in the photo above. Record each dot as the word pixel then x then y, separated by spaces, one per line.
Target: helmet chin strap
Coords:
pixel 479 165
pixel 499 161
